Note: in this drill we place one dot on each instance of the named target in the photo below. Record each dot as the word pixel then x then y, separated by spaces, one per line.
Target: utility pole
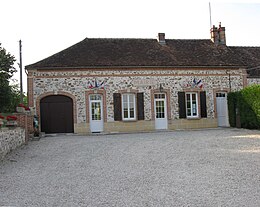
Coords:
pixel 210 22
pixel 21 72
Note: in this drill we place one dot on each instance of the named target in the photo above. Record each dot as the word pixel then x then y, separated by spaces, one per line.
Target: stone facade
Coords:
pixel 251 81
pixel 75 84
pixel 10 139
pixel 140 84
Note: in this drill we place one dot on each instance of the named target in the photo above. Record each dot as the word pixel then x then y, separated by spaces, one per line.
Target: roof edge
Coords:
pixel 131 67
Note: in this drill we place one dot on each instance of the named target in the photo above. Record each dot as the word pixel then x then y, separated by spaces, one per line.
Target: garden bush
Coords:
pixel 247 102
pixel 232 104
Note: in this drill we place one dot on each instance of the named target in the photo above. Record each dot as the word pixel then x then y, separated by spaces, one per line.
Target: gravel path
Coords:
pixel 217 167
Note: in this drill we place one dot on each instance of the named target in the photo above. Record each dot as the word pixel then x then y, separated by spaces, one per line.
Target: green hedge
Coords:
pixel 232 103
pixel 246 105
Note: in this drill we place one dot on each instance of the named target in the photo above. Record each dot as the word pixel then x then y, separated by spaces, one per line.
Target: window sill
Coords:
pixel 132 120
pixel 193 118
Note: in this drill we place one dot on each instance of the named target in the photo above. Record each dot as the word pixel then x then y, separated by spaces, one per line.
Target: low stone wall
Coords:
pixel 10 139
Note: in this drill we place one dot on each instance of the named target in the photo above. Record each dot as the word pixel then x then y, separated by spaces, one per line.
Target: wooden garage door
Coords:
pixel 56 114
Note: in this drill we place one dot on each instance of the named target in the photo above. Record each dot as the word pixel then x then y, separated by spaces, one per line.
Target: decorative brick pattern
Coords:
pixel 168 104
pixel 101 92
pixel 251 81
pixel 75 84
pixel 30 91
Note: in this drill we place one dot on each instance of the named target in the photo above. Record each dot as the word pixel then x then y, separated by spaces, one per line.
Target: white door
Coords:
pixel 160 111
pixel 222 109
pixel 96 113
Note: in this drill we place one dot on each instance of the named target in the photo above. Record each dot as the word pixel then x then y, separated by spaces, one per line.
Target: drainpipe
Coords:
pixel 229 79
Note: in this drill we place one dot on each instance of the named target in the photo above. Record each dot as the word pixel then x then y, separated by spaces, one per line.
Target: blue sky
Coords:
pixel 49 26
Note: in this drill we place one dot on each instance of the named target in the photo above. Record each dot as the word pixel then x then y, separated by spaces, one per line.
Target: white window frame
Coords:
pixel 160 97
pixel 127 95
pixel 191 100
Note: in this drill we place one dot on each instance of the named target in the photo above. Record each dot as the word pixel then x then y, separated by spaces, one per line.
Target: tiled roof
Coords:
pixel 105 52
pixel 139 52
pixel 201 53
pixel 249 56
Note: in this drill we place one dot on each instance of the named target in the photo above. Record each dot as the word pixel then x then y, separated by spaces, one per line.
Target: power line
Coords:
pixel 21 72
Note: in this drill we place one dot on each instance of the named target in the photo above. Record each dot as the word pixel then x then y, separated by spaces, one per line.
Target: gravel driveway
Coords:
pixel 216 167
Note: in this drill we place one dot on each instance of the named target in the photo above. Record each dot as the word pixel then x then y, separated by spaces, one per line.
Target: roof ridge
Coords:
pixel 190 39
pixel 245 46
pixel 136 38
pixel 117 38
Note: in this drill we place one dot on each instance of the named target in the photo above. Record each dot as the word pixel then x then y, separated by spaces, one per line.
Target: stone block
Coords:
pixel 11 123
pixel 20 109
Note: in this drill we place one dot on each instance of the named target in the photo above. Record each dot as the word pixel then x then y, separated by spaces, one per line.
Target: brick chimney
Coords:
pixel 218 35
pixel 161 38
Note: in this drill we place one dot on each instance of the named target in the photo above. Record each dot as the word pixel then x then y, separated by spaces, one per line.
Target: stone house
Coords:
pixel 123 85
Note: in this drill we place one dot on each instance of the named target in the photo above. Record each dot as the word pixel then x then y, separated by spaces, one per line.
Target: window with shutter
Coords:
pixel 192 105
pixel 117 107
pixel 203 104
pixel 128 106
pixel 188 105
pixel 140 106
pixel 182 105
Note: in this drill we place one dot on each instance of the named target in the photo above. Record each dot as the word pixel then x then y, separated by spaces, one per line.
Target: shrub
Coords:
pixel 247 102
pixel 251 96
pixel 232 105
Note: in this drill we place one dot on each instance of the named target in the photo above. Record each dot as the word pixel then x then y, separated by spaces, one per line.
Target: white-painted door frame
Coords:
pixel 222 109
pixel 96 118
pixel 160 110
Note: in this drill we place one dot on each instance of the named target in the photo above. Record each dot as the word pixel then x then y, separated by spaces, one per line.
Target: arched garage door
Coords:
pixel 56 114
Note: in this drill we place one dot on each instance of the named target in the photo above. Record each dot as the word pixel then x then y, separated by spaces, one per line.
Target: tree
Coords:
pixel 14 98
pixel 6 72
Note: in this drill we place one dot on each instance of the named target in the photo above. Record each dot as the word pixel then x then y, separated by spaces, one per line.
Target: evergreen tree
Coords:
pixel 6 72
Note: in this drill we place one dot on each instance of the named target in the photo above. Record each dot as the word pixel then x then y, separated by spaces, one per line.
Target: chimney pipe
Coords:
pixel 214 34
pixel 222 35
pixel 161 38
pixel 218 35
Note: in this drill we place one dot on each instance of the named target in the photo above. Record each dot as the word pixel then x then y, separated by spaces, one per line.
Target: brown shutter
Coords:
pixel 117 107
pixel 182 105
pixel 203 105
pixel 140 106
